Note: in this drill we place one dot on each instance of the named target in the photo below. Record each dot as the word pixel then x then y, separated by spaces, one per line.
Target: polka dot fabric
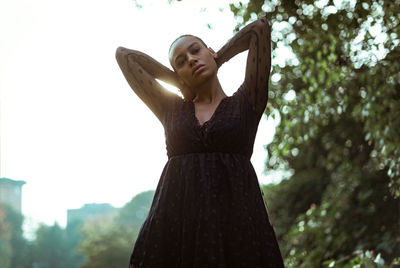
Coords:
pixel 208 209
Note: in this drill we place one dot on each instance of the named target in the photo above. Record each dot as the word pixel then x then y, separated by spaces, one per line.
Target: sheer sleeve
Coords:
pixel 256 37
pixel 141 71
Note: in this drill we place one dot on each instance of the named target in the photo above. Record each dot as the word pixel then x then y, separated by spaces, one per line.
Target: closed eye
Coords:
pixel 179 61
pixel 195 50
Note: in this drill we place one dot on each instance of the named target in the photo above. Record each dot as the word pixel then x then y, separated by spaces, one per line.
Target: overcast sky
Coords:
pixel 71 127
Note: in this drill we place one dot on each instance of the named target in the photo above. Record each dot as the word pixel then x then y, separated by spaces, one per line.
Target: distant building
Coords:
pixel 90 212
pixel 10 193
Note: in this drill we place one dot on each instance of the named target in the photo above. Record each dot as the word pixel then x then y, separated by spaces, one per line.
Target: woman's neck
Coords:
pixel 209 92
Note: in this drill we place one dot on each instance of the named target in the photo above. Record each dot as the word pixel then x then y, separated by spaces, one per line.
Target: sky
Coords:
pixel 70 126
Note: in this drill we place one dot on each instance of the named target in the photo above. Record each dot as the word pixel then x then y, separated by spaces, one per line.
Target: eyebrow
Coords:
pixel 192 44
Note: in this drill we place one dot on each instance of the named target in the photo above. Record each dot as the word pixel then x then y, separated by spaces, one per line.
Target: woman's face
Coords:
pixel 192 61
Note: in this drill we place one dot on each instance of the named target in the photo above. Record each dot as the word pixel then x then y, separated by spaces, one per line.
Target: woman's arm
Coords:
pixel 257 38
pixel 141 72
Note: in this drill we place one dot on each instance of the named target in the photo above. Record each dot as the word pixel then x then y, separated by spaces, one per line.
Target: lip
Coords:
pixel 197 68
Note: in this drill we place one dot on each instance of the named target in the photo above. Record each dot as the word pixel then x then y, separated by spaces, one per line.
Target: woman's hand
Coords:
pixel 187 92
pixel 176 81
pixel 216 58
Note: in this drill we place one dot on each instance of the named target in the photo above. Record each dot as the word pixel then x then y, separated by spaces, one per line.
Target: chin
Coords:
pixel 204 77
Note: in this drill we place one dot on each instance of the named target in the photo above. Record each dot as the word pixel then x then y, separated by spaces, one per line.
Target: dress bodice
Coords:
pixel 231 129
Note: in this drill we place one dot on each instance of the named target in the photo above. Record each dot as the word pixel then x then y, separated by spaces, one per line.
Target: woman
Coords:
pixel 208 209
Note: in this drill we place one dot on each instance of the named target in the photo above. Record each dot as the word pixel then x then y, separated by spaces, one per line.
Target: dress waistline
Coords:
pixel 208 153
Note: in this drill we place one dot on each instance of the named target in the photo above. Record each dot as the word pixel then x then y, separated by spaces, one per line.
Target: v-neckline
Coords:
pixel 212 116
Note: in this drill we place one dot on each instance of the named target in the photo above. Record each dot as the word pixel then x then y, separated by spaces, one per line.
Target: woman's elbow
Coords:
pixel 262 24
pixel 119 53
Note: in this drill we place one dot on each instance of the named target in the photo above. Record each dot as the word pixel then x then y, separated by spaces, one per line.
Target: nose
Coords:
pixel 192 59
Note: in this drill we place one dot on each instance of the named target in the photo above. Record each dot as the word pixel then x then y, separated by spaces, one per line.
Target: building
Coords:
pixel 10 193
pixel 90 212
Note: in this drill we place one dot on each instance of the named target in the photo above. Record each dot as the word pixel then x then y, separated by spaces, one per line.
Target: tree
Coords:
pixel 5 237
pixel 108 242
pixel 13 246
pixel 134 212
pixel 337 99
pixel 74 238
pixel 50 248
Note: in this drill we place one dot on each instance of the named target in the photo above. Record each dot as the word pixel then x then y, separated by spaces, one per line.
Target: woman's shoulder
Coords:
pixel 177 103
pixel 242 95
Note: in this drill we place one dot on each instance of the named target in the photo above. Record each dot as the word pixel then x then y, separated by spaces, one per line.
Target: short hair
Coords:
pixel 186 35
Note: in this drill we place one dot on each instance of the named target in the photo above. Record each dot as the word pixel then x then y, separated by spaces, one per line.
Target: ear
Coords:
pixel 215 55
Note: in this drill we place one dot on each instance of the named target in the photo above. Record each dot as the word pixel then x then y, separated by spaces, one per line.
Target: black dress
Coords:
pixel 208 209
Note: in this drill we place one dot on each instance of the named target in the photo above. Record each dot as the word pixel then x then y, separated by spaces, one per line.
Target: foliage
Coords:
pixel 108 242
pixel 133 214
pixel 5 237
pixel 74 238
pixel 18 243
pixel 357 220
pixel 361 258
pixel 287 200
pixel 337 99
pixel 14 251
pixel 345 67
pixel 50 248
pixel 103 242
